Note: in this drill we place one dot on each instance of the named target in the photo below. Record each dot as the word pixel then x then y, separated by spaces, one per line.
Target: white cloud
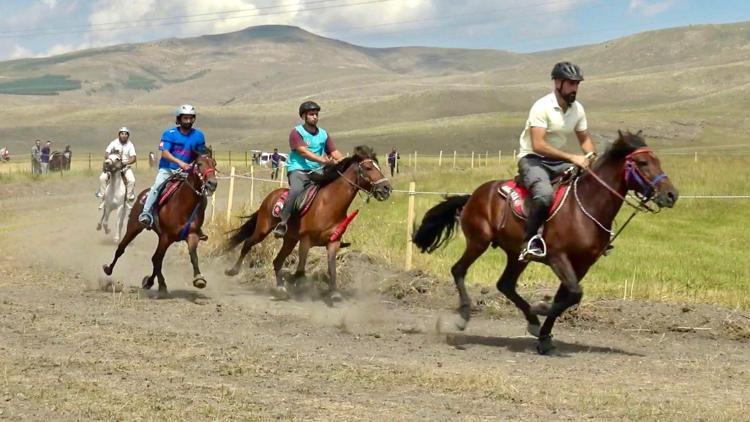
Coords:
pixel 650 7
pixel 50 3
pixel 19 52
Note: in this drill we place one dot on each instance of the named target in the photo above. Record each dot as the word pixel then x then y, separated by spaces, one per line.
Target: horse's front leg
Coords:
pixel 304 249
pixel 157 259
pixel 198 280
pixel 333 249
pixel 569 294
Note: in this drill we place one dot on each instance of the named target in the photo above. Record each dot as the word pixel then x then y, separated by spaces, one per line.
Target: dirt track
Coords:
pixel 70 350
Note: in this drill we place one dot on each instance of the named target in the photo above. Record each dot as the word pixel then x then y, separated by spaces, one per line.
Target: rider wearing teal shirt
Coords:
pixel 311 148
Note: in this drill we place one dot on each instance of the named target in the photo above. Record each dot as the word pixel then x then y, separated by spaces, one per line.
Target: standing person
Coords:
pixel 4 154
pixel 151 159
pixel 68 156
pixel 275 161
pixel 44 156
pixel 311 148
pixel 541 158
pixel 124 148
pixel 179 147
pixel 393 157
pixel 36 157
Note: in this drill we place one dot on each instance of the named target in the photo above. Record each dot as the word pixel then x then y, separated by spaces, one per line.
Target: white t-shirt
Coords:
pixel 547 113
pixel 126 150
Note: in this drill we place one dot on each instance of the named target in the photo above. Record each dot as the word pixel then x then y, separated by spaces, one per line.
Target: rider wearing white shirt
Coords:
pixel 123 147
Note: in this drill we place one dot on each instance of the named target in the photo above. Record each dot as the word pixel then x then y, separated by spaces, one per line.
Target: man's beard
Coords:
pixel 570 98
pixel 186 126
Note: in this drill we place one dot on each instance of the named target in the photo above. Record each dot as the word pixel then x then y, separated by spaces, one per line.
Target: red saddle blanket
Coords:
pixel 517 194
pixel 303 201
pixel 168 190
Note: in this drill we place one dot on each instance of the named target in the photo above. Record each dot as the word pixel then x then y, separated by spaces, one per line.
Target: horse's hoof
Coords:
pixel 147 283
pixel 162 294
pixel 106 230
pixel 461 323
pixel 99 227
pixel 336 297
pixel 199 282
pixel 545 346
pixel 107 269
pixel 540 308
pixel 231 272
pixel 280 293
pixel 117 240
pixel 533 329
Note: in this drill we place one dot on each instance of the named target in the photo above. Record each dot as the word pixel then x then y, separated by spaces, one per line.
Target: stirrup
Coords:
pixel 530 252
pixel 280 230
pixel 146 219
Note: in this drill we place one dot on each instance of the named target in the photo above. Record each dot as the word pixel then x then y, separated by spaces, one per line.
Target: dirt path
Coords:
pixel 69 350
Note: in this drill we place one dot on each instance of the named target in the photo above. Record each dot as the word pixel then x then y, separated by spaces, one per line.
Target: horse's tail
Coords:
pixel 243 232
pixel 439 223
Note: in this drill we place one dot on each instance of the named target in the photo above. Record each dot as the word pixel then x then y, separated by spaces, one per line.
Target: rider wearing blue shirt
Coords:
pixel 179 147
pixel 311 148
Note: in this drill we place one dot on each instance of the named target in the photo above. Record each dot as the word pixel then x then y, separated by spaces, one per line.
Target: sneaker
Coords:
pixel 99 195
pixel 280 230
pixel 536 249
pixel 146 219
pixel 101 205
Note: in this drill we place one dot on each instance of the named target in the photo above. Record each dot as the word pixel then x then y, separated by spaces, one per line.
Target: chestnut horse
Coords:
pixel 576 236
pixel 339 185
pixel 180 218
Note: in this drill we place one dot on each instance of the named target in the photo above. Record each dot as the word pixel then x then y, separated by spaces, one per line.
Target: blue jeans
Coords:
pixel 161 176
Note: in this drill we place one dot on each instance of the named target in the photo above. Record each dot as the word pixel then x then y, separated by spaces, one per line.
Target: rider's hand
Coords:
pixel 326 161
pixel 183 165
pixel 580 161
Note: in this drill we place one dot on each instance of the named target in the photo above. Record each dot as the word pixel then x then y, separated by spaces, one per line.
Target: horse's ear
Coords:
pixel 620 135
pixel 640 132
pixel 210 152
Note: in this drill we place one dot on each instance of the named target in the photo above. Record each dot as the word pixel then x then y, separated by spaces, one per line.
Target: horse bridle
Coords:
pixel 361 175
pixel 202 176
pixel 631 174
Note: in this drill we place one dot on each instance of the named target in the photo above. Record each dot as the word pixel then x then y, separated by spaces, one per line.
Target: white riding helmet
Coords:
pixel 123 129
pixel 185 109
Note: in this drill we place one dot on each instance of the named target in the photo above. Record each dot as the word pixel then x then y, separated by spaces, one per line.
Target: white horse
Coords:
pixel 114 197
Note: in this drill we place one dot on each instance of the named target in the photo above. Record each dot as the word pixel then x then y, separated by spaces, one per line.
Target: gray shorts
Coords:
pixel 536 175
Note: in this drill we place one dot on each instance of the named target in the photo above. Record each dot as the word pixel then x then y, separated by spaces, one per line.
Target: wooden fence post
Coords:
pixel 472 159
pixel 440 159
pixel 231 193
pixel 252 186
pixel 410 225
pixel 454 160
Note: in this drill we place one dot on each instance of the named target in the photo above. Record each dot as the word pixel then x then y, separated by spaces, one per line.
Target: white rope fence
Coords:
pixel 412 192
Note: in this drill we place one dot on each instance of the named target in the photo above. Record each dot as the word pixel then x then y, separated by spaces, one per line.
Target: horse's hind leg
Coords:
pixel 507 286
pixel 198 280
pixel 132 232
pixel 278 263
pixel 261 231
pixel 474 249
pixel 157 259
pixel 101 220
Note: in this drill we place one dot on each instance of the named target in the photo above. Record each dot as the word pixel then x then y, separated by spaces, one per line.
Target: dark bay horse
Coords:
pixel 576 237
pixel 339 185
pixel 179 219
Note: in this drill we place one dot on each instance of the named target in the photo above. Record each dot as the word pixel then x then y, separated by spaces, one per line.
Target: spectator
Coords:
pixel 275 162
pixel 36 157
pixel 4 154
pixel 46 150
pixel 393 158
pixel 68 157
pixel 151 160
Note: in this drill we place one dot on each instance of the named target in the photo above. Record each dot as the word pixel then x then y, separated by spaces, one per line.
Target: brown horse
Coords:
pixel 576 236
pixel 339 185
pixel 180 218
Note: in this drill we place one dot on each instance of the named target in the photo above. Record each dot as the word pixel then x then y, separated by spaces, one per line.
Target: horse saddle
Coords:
pixel 518 196
pixel 302 204
pixel 167 189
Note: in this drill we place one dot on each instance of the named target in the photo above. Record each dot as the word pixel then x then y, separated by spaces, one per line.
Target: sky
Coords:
pixel 40 28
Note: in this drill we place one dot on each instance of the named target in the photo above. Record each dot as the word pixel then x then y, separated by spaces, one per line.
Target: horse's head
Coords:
pixel 113 162
pixel 205 166
pixel 369 176
pixel 643 173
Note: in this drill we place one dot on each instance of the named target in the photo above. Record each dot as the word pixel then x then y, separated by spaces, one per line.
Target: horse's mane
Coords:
pixel 330 173
pixel 625 144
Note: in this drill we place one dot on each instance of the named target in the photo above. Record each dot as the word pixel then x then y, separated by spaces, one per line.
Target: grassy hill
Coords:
pixel 684 86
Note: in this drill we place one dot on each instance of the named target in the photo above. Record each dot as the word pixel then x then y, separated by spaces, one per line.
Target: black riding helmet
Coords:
pixel 308 106
pixel 567 71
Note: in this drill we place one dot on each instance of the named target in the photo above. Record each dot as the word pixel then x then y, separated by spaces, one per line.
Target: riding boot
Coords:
pixel 533 244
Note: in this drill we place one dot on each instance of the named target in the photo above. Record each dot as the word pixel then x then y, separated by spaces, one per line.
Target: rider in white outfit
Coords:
pixel 123 147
